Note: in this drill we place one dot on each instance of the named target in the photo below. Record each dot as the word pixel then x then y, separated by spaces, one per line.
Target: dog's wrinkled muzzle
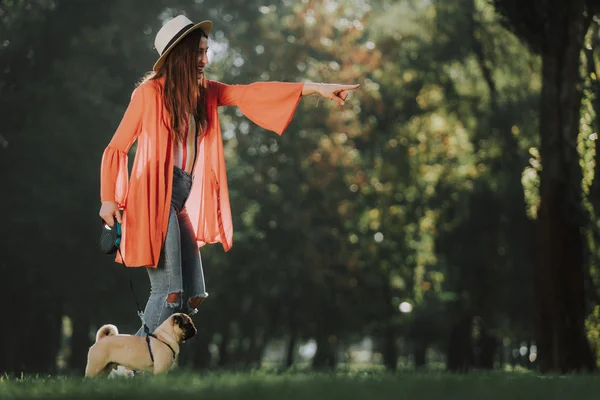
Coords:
pixel 190 331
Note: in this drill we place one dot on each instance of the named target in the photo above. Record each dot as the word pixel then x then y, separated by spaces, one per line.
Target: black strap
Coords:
pixel 137 303
pixel 148 334
pixel 141 313
pixel 162 341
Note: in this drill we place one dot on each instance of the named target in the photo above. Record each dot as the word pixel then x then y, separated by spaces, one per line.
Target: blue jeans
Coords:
pixel 178 277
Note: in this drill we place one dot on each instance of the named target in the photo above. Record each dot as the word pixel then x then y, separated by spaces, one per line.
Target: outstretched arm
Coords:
pixel 331 91
pixel 271 105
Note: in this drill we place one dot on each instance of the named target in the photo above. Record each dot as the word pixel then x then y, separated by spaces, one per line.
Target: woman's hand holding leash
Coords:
pixel 331 91
pixel 109 211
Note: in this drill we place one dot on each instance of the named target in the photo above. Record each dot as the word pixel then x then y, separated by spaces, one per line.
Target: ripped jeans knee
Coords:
pixel 195 301
pixel 174 300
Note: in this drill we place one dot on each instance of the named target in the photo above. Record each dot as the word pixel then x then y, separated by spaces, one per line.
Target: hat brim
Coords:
pixel 206 26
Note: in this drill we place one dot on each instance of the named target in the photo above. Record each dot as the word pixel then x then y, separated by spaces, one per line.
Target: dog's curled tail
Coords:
pixel 106 330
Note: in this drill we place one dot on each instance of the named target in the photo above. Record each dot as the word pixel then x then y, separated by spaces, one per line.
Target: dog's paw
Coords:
pixel 121 372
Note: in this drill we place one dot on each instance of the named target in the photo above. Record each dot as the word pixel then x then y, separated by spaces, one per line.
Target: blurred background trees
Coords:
pixel 412 227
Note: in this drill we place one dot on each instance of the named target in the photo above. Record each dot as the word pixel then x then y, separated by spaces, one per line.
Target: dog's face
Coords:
pixel 183 327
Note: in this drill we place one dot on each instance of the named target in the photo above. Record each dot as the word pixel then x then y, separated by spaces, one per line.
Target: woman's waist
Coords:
pixel 182 176
pixel 181 188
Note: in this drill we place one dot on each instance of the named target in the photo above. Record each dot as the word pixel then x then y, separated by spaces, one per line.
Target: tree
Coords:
pixel 555 30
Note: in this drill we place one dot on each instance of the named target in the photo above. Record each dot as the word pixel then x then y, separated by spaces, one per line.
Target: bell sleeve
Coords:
pixel 270 105
pixel 114 174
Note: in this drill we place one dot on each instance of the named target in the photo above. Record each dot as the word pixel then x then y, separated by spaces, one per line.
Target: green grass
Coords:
pixel 306 386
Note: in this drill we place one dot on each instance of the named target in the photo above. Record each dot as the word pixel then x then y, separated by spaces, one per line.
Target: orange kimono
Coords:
pixel 145 196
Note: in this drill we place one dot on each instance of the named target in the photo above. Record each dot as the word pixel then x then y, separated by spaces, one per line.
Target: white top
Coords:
pixel 186 151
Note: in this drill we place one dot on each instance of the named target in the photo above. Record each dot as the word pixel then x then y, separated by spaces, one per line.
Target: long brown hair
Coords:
pixel 182 94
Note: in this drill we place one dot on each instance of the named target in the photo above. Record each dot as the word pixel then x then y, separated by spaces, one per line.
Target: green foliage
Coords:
pixel 592 326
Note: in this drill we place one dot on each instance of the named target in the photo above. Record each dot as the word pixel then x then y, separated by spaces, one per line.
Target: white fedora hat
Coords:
pixel 172 32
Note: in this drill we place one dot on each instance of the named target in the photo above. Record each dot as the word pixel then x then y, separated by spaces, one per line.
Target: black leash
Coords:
pixel 137 303
pixel 141 315
pixel 110 241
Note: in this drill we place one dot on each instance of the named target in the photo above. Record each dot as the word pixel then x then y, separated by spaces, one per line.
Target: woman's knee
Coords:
pixel 174 299
pixel 196 301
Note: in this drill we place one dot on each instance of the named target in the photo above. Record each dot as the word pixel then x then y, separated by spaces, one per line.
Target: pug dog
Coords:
pixel 112 349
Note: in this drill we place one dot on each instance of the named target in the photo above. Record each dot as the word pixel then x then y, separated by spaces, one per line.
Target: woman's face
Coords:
pixel 202 59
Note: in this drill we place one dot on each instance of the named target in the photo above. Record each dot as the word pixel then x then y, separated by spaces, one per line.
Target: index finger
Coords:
pixel 350 87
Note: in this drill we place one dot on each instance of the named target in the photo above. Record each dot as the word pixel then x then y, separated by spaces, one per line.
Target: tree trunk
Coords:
pixel 250 358
pixel 80 342
pixel 594 193
pixel 486 347
pixel 420 354
pixel 325 358
pixel 202 357
pixel 291 348
pixel 223 346
pixel 559 268
pixel 460 345
pixel 390 350
pixel 38 340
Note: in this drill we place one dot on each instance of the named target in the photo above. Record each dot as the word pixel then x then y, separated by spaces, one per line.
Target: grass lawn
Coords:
pixel 306 386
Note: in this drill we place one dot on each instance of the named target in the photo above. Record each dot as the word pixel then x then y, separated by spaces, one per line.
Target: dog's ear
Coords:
pixel 177 320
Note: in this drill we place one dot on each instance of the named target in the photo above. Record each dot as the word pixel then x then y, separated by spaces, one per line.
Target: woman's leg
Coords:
pixel 194 287
pixel 165 280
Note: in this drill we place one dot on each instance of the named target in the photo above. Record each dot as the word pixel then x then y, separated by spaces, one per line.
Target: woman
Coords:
pixel 176 198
